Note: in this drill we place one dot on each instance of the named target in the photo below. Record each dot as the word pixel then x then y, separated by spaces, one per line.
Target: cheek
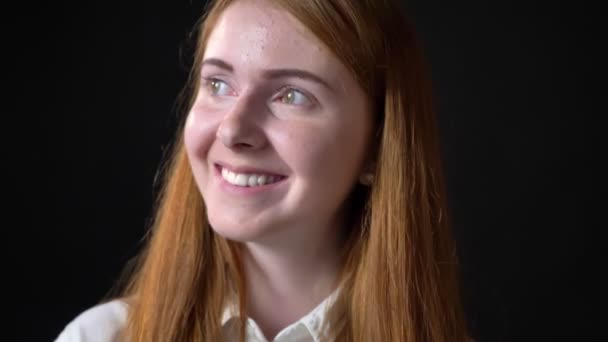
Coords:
pixel 199 133
pixel 328 153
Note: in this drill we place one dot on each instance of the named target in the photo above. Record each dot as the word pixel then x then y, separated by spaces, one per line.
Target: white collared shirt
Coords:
pixel 104 323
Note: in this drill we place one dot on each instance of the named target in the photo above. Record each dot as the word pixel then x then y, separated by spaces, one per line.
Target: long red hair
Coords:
pixel 399 280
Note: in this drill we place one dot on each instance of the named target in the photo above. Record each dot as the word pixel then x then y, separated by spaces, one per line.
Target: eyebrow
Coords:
pixel 272 73
pixel 218 63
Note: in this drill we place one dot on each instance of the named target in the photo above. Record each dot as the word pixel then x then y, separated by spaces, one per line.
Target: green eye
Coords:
pixel 289 97
pixel 294 97
pixel 215 86
pixel 218 88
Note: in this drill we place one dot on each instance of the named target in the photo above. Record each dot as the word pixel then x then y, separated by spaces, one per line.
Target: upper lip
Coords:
pixel 245 169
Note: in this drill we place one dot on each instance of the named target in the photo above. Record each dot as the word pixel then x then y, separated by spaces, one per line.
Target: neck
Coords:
pixel 294 273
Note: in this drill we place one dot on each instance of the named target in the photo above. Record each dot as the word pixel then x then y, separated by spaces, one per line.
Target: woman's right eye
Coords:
pixel 218 87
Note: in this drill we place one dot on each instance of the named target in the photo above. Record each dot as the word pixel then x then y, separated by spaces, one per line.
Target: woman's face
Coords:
pixel 278 134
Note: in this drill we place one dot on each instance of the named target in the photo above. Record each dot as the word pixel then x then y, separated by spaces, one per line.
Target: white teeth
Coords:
pixel 242 179
pixel 261 180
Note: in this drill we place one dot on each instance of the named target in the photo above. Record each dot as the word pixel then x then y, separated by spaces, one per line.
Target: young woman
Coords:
pixel 304 200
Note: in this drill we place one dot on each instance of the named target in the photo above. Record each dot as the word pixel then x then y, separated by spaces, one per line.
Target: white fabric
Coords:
pixel 101 323
pixel 104 322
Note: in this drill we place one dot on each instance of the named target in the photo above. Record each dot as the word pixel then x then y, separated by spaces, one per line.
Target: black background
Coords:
pixel 94 103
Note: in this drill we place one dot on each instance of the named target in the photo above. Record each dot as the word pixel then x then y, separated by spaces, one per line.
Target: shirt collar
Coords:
pixel 312 321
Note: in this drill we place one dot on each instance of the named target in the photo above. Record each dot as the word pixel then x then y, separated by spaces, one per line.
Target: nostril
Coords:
pixel 242 145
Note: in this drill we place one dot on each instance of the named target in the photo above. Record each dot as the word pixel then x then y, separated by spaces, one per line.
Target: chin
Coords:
pixel 241 231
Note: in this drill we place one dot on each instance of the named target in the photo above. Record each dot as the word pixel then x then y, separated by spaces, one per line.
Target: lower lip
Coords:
pixel 245 190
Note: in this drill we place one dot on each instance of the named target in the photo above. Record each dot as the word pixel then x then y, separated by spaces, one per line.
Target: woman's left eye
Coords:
pixel 294 97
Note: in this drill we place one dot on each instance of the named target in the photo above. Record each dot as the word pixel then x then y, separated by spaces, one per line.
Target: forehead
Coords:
pixel 258 34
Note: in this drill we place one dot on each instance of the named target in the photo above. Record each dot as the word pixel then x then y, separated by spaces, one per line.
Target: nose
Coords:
pixel 240 128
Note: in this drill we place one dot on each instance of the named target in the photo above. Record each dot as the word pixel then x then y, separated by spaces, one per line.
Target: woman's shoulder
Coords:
pixel 100 323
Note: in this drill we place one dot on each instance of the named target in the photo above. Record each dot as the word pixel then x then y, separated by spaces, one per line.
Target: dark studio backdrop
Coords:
pixel 514 84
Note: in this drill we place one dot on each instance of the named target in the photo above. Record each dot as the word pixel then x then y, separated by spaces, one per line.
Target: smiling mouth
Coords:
pixel 248 179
